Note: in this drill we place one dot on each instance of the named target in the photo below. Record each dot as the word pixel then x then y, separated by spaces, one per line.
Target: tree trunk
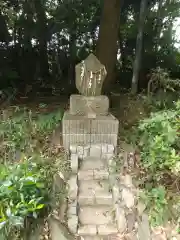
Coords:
pixel 158 28
pixel 108 37
pixel 42 38
pixel 139 43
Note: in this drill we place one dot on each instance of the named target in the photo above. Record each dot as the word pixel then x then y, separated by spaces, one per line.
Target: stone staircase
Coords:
pixel 91 201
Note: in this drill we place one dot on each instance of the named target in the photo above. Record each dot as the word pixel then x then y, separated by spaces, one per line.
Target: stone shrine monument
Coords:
pixel 88 120
pixel 101 203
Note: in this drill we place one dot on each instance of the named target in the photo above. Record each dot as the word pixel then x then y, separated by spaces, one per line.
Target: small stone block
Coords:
pixel 109 156
pixel 91 163
pixel 107 148
pixel 96 150
pixel 87 230
pixel 99 215
pixel 121 219
pixel 93 238
pixel 72 209
pixel 101 174
pixel 104 199
pixel 74 162
pixel 73 148
pixel 81 105
pixel 115 192
pixel 128 197
pixel 86 200
pixel 85 175
pixel 93 186
pixel 72 187
pixel 106 230
pixel 72 224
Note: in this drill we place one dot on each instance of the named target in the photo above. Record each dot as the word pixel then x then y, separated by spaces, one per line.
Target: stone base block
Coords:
pixel 80 105
pixel 82 130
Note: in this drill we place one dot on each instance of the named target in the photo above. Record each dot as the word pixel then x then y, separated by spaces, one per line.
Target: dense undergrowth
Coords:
pixel 159 144
pixel 158 139
pixel 27 169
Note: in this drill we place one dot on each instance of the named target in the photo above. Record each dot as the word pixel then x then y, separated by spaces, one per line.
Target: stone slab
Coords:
pixel 91 215
pixel 80 105
pixel 105 125
pixel 107 230
pixel 91 163
pixel 94 192
pixel 82 130
pixel 75 124
pixel 95 185
pixel 83 139
pixel 87 230
pixel 58 231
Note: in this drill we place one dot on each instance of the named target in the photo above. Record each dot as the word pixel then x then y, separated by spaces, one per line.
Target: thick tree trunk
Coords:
pixel 42 37
pixel 108 37
pixel 139 43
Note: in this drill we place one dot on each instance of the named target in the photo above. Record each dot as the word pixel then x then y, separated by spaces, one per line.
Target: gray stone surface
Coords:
pixel 96 215
pixel 101 174
pixel 73 188
pixel 74 162
pixel 58 231
pixel 82 130
pixel 93 238
pixel 92 163
pixel 84 199
pixel 93 185
pixel 128 197
pixel 80 105
pixel 90 75
pixel 105 230
pixel 94 192
pixel 75 124
pixel 144 229
pixel 73 224
pixel 72 208
pixel 85 175
pixel 131 219
pixel 105 125
pixel 121 219
pixel 115 193
pixel 87 230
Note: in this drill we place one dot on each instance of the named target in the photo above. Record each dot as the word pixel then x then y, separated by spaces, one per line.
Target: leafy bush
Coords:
pixel 25 132
pixel 157 204
pixel 23 194
pixel 159 143
pixel 162 90
pixel 25 184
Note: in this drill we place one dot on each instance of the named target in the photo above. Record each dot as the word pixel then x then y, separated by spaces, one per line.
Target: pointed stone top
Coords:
pixel 90 75
pixel 92 63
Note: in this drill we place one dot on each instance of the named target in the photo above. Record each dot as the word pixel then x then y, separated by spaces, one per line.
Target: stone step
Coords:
pixel 94 192
pixel 95 238
pixel 99 230
pixel 95 215
pixel 93 163
pixel 93 174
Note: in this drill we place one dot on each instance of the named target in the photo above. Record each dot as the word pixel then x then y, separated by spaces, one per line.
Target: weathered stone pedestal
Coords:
pixel 81 130
pixel 90 135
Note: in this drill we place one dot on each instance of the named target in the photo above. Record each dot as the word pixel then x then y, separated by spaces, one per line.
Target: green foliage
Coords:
pixel 157 204
pixel 27 169
pixel 160 141
pixel 162 89
pixel 23 194
pixel 25 132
